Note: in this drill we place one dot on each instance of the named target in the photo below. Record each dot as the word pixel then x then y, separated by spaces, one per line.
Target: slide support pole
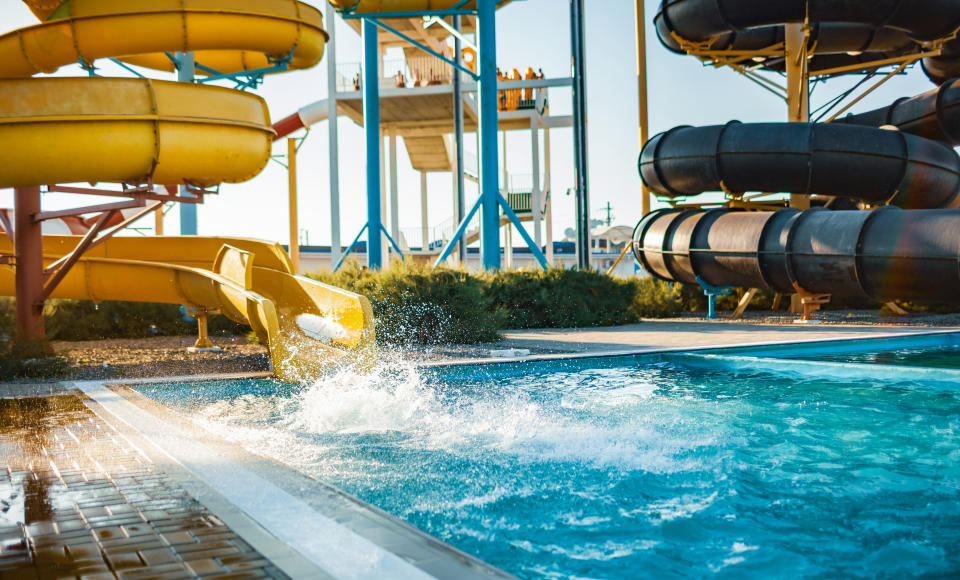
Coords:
pixel 186 73
pixel 489 126
pixel 371 125
pixel 29 271
pixel 458 136
pixel 333 135
pixel 294 222
pixel 580 134
pixel 643 114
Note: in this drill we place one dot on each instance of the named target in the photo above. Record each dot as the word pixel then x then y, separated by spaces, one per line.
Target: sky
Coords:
pixel 529 33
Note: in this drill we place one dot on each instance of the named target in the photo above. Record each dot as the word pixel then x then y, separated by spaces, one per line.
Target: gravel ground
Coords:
pixel 160 356
pixel 168 356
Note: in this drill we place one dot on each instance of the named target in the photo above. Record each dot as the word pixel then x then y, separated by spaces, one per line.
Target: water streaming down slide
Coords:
pixel 901 155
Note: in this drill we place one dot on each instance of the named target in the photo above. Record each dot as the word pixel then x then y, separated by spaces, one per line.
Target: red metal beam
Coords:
pixel 104 207
pixel 29 274
pixel 148 195
pixel 61 267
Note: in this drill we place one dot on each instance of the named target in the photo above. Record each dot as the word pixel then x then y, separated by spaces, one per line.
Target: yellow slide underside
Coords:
pixel 229 36
pixel 66 130
pixel 249 281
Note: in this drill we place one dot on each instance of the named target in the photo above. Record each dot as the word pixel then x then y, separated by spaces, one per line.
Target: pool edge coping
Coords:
pixel 382 526
pixel 559 357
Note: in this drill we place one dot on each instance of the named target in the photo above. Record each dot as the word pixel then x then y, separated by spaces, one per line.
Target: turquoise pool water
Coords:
pixel 946 356
pixel 629 467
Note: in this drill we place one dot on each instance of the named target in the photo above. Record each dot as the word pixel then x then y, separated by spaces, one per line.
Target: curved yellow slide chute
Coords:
pixel 249 281
pixel 228 36
pixel 66 130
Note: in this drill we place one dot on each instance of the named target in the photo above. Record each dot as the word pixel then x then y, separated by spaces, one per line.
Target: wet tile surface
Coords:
pixel 78 500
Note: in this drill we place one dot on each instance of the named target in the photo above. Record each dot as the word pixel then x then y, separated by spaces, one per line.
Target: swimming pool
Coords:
pixel 629 467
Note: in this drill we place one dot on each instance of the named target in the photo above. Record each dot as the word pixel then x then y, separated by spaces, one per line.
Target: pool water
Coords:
pixel 947 356
pixel 630 467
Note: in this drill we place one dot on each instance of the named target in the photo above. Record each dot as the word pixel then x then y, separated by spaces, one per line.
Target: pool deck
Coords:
pixel 671 336
pixel 653 335
pixel 98 482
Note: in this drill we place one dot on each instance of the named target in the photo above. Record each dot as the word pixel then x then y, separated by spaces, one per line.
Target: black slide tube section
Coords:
pixel 845 160
pixel 940 69
pixel 843 32
pixel 886 254
pixel 703 20
pixel 933 115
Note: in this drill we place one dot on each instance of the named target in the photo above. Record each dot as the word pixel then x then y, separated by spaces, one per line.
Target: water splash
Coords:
pixel 605 471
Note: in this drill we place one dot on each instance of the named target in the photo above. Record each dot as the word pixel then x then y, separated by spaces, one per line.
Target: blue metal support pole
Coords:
pixel 534 248
pixel 489 125
pixel 188 211
pixel 350 248
pixel 396 248
pixel 711 292
pixel 371 125
pixel 458 235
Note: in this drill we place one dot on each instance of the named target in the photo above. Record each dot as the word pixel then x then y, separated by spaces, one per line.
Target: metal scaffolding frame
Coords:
pixel 491 200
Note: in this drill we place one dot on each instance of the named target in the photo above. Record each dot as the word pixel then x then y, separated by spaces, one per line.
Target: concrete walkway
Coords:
pixel 658 335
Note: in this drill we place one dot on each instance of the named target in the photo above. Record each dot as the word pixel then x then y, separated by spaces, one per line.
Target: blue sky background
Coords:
pixel 530 33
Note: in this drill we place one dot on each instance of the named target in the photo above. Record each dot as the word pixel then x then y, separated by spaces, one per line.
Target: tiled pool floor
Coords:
pixel 78 499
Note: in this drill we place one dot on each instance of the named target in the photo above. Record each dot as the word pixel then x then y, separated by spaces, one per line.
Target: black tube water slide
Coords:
pixel 845 32
pixel 883 254
pixel 874 165
pixel 913 168
pixel 900 155
pixel 933 115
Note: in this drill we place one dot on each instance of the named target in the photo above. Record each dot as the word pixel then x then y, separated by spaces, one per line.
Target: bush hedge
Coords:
pixel 559 298
pixel 423 305
pixel 420 305
pixel 83 320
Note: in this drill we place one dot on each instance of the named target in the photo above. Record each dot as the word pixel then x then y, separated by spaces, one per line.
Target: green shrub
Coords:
pixel 559 298
pixel 421 305
pixel 656 299
pixel 84 320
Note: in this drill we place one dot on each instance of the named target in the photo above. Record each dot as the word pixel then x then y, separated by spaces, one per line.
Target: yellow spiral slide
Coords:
pixel 66 130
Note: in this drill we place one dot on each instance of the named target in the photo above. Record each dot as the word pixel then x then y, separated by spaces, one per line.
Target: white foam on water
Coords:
pixel 627 427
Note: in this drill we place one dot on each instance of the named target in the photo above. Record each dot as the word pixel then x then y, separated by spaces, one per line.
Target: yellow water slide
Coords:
pixel 137 130
pixel 67 130
pixel 225 35
pixel 307 325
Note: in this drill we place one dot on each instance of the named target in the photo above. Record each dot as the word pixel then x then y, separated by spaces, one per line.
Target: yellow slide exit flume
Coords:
pixel 137 130
pixel 249 281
